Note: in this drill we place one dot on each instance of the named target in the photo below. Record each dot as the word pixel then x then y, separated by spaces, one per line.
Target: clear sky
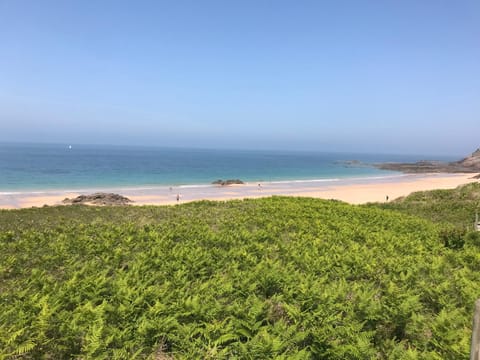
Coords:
pixel 369 76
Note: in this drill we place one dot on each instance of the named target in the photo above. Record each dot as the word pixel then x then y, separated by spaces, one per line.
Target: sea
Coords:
pixel 43 167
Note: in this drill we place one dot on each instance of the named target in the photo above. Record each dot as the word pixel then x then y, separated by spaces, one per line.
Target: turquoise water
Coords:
pixel 27 167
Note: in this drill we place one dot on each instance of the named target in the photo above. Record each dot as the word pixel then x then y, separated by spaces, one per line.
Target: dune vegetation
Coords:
pixel 279 277
pixel 456 207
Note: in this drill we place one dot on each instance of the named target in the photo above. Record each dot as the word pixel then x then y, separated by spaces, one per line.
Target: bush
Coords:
pixel 473 238
pixel 453 238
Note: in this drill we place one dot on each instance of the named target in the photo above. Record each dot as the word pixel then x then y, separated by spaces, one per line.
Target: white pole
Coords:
pixel 475 346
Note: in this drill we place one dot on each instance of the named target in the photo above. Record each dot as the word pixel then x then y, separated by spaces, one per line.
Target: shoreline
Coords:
pixel 159 187
pixel 351 190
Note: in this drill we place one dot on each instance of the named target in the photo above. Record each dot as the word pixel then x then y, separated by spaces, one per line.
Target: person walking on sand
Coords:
pixel 386 198
pixel 178 198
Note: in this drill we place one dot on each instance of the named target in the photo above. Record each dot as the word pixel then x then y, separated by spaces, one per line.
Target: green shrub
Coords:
pixel 453 238
pixel 473 238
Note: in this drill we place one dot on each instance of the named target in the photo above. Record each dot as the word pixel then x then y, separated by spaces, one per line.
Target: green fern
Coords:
pixel 24 348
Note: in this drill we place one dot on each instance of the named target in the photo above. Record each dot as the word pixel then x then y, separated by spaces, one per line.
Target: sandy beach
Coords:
pixel 354 191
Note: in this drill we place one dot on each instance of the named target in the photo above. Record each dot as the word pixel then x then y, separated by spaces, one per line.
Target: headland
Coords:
pixel 470 164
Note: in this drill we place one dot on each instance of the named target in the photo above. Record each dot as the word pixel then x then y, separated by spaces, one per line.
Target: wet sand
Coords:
pixel 354 191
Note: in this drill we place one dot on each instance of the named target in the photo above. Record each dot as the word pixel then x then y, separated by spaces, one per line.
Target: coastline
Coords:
pixel 350 190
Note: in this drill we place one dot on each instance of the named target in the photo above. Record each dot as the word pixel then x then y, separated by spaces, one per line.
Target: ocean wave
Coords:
pixel 299 181
pixel 342 179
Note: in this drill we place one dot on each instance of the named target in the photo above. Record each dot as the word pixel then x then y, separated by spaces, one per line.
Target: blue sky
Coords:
pixel 368 76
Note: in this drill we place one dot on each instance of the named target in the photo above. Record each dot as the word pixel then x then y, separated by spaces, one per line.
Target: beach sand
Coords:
pixel 354 191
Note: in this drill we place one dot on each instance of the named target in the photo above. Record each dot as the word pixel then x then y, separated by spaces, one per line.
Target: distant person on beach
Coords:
pixel 178 197
pixel 387 198
pixel 259 186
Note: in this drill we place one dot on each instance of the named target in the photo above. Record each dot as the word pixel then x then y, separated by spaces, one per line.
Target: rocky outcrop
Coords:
pixel 108 199
pixel 470 164
pixel 472 161
pixel 227 182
